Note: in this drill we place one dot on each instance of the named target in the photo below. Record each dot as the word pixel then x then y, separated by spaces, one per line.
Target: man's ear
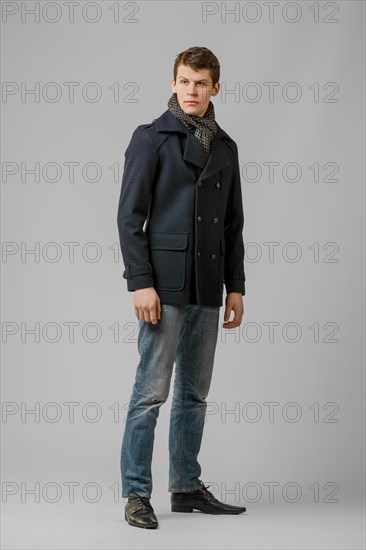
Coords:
pixel 216 88
pixel 174 86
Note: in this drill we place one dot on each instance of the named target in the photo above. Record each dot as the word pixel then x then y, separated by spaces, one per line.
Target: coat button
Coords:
pixel 198 254
pixel 218 185
pixel 213 256
pixel 200 183
pixel 199 219
pixel 215 220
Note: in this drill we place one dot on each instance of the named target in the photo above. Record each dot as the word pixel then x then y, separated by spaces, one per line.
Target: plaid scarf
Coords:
pixel 204 128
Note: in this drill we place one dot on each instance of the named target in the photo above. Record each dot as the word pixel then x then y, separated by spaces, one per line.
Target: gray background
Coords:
pixel 312 369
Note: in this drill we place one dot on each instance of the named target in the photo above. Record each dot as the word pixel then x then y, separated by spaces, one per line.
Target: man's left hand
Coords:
pixel 233 302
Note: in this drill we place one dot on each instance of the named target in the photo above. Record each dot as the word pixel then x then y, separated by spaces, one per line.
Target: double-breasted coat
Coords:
pixel 180 214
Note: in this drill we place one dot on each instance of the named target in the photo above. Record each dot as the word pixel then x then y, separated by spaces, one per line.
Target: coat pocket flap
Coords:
pixel 168 241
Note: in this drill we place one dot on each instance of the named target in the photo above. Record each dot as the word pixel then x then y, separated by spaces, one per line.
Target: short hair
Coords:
pixel 199 57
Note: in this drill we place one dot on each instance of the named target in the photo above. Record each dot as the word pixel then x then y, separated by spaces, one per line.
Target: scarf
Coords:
pixel 204 128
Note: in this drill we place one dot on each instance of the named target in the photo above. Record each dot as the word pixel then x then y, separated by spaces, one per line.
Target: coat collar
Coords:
pixel 219 156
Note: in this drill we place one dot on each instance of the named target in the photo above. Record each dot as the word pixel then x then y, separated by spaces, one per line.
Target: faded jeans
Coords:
pixel 186 335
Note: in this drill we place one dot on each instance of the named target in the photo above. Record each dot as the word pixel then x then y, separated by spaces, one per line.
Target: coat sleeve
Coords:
pixel 234 223
pixel 141 161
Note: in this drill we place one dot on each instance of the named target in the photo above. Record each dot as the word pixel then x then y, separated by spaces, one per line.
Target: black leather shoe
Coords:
pixel 202 499
pixel 140 513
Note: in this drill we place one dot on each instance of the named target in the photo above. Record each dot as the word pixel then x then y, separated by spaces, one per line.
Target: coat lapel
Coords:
pixel 219 156
pixel 194 151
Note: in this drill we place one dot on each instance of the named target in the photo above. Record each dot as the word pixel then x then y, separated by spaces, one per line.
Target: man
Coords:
pixel 181 177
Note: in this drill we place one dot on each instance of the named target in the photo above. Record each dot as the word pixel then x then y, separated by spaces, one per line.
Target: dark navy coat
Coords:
pixel 180 219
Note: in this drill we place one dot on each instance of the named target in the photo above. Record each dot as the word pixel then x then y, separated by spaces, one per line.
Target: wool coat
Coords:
pixel 180 214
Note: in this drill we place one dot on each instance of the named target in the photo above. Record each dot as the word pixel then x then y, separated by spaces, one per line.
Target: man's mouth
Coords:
pixel 192 102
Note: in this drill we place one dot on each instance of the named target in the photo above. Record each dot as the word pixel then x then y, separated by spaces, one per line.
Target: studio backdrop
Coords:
pixel 285 415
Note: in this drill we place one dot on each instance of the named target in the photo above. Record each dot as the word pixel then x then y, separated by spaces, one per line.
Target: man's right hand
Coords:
pixel 147 305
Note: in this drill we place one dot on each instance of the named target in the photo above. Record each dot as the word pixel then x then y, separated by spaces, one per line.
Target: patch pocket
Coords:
pixel 168 257
pixel 221 265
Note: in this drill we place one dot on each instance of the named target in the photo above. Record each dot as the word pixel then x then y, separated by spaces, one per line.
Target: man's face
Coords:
pixel 194 89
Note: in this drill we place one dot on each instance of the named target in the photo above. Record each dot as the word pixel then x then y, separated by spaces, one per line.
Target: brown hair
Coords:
pixel 199 57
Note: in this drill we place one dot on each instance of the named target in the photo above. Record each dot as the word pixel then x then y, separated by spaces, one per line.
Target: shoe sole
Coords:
pixel 133 524
pixel 188 509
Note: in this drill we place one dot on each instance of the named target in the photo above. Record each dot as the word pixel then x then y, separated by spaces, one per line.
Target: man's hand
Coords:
pixel 147 305
pixel 233 301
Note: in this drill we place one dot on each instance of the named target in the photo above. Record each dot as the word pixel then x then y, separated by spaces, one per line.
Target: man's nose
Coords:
pixel 191 90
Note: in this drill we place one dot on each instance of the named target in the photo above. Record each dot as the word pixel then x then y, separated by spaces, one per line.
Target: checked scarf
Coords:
pixel 204 128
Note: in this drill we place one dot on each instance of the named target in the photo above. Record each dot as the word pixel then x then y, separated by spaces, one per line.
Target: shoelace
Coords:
pixel 146 501
pixel 205 488
pixel 203 485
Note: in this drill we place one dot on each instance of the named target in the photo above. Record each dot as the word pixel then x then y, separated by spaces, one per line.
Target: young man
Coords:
pixel 181 177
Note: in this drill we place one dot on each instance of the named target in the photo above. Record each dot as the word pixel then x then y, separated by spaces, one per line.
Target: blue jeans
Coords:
pixel 186 335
